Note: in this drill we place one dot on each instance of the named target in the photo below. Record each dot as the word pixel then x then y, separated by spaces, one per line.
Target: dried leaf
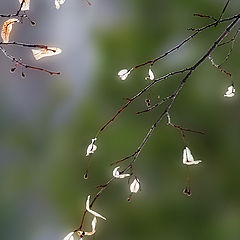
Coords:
pixel 26 5
pixel 69 236
pixel 45 52
pixel 7 28
pixel 116 173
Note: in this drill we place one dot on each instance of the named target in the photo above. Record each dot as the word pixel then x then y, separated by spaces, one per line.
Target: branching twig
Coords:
pixel 163 113
pixel 180 86
pixel 130 100
pixel 223 11
pixel 151 62
pixel 22 14
pixel 13 59
pixel 231 48
pixel 155 105
pixel 204 16
pixel 181 129
pixel 197 31
pixel 219 67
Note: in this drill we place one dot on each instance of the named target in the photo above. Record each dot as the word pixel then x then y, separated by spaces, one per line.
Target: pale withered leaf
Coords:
pixel 7 28
pixel 58 3
pixel 45 52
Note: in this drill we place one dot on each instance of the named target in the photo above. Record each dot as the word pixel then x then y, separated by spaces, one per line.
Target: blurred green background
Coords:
pixel 47 123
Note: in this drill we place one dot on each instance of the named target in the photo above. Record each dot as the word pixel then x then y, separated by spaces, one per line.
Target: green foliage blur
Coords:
pixel 43 142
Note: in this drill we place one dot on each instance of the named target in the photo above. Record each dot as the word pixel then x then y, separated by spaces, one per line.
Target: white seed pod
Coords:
pixel 116 173
pixel 188 157
pixel 150 73
pixel 58 3
pixel 91 147
pixel 123 74
pixel 135 186
pixel 230 92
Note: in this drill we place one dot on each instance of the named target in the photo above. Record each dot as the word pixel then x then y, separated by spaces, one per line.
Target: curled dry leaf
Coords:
pixel 26 5
pixel 116 173
pixel 7 28
pixel 91 211
pixel 69 236
pixel 45 52
pixel 58 3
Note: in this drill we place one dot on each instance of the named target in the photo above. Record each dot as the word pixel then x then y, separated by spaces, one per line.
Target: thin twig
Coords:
pixel 130 100
pixel 186 129
pixel 20 8
pixel 204 16
pixel 13 59
pixel 197 31
pixel 155 105
pixel 13 15
pixel 219 67
pixel 233 40
pixel 24 44
pixel 181 129
pixel 123 159
pixel 223 11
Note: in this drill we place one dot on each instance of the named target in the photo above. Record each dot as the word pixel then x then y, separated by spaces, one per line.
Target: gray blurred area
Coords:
pixel 48 121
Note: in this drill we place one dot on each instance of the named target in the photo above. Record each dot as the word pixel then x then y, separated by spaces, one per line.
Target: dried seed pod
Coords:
pixel 33 23
pixel 12 70
pixel 23 75
pixel 187 191
pixel 148 102
pixel 85 175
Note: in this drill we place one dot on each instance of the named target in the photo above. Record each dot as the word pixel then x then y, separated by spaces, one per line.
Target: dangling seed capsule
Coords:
pixel 85 175
pixel 12 69
pixel 187 192
pixel 23 75
pixel 148 103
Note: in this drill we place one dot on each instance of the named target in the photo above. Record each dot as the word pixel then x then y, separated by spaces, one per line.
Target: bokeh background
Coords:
pixel 48 121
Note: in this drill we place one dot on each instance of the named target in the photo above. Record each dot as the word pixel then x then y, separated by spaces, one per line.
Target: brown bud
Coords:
pixel 12 70
pixel 187 192
pixel 23 75
pixel 85 176
pixel 148 103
